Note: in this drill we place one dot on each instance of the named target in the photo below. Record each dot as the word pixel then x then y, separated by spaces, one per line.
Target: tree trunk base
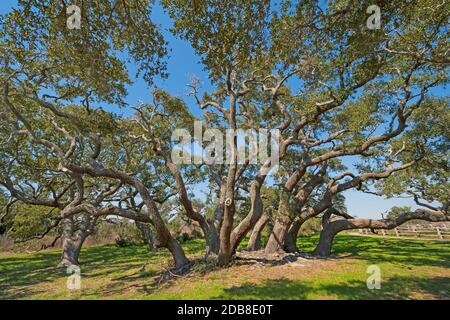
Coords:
pixel 65 263
pixel 322 253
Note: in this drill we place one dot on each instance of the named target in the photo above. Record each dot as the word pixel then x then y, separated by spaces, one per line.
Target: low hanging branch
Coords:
pixel 332 228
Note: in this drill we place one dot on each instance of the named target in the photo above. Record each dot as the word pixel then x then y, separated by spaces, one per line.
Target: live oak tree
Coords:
pixel 46 199
pixel 373 110
pixel 331 228
pixel 332 86
pixel 430 171
pixel 46 64
pixel 346 100
pixel 426 181
pixel 41 208
pixel 426 211
pixel 34 177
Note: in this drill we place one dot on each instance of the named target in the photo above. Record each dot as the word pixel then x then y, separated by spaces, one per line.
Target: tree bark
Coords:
pixel 226 252
pixel 71 251
pixel 290 244
pixel 278 235
pixel 212 239
pixel 286 215
pixel 73 240
pixel 252 218
pixel 255 238
pixel 208 227
pixel 327 235
pixel 226 247
pixel 289 208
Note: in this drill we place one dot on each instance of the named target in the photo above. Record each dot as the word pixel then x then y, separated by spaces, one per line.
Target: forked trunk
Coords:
pixel 327 235
pixel 281 240
pixel 72 241
pixel 252 218
pixel 282 223
pixel 292 235
pixel 255 238
pixel 278 235
pixel 71 252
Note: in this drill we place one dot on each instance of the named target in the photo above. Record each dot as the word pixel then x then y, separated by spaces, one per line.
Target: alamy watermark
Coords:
pixel 252 147
pixel 374 280
pixel 374 20
pixel 74 278
pixel 74 17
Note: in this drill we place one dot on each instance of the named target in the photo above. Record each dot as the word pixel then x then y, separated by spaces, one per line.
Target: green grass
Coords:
pixel 410 269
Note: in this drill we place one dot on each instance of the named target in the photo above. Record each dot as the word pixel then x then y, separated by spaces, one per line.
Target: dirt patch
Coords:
pixel 271 258
pixel 253 268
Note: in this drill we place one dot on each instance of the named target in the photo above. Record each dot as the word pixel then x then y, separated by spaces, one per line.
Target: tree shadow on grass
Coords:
pixel 27 271
pixel 394 288
pixel 92 256
pixel 398 287
pixel 400 251
pixel 18 274
pixel 283 289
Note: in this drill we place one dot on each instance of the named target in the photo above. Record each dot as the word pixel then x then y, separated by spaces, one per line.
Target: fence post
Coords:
pixel 439 233
pixel 396 232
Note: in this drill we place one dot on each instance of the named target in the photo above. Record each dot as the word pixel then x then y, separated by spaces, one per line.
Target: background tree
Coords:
pixel 395 211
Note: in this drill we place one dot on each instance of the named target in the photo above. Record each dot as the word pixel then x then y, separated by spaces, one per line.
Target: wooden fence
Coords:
pixel 425 231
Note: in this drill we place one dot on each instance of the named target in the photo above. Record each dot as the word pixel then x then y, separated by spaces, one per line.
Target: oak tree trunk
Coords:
pixel 72 241
pixel 281 227
pixel 278 235
pixel 226 252
pixel 255 237
pixel 252 217
pixel 327 235
pixel 71 251
pixel 212 240
pixel 290 244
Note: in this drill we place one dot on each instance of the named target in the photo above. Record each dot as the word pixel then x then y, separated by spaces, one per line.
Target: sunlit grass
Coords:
pixel 410 269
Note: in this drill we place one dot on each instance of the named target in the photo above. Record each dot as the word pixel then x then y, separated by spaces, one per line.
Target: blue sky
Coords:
pixel 182 64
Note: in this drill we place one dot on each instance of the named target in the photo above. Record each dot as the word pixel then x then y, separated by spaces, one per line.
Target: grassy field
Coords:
pixel 410 269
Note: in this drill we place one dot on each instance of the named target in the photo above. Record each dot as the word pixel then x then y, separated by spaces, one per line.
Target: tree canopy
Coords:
pixel 354 108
